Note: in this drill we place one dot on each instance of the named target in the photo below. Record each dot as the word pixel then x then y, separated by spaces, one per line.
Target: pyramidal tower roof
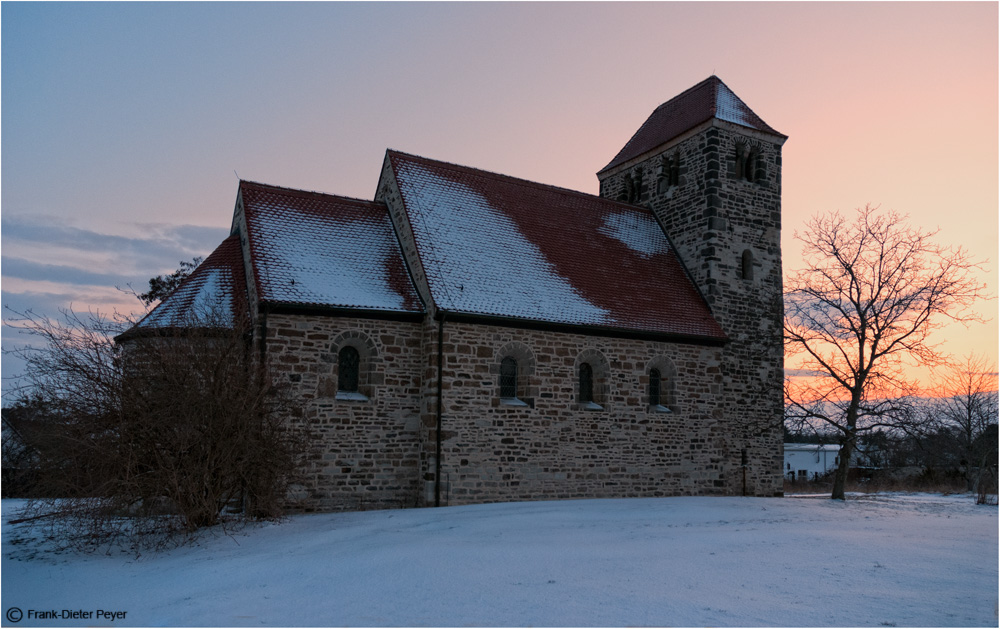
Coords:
pixel 709 99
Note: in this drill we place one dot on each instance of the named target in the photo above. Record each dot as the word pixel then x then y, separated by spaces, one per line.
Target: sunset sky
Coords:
pixel 124 125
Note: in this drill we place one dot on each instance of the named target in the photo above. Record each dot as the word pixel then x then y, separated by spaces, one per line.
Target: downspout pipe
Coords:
pixel 263 333
pixel 440 376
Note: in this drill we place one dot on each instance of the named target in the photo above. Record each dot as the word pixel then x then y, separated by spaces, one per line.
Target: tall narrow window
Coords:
pixel 508 378
pixel 586 383
pixel 749 167
pixel 347 372
pixel 746 266
pixel 654 387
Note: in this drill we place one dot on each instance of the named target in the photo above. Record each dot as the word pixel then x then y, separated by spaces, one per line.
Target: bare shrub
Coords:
pixel 157 436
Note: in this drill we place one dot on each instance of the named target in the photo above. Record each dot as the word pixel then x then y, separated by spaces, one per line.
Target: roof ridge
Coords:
pixel 521 180
pixel 298 192
pixel 691 89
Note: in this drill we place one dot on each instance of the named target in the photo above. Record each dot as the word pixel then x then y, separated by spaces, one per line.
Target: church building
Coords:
pixel 468 337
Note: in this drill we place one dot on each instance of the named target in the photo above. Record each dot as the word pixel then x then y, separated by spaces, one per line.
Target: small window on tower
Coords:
pixel 746 265
pixel 746 163
pixel 669 173
pixel 629 193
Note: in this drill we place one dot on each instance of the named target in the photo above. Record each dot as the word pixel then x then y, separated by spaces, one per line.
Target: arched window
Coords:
pixel 586 383
pixel 508 378
pixel 661 389
pixel 514 369
pixel 629 192
pixel 349 362
pixel 746 163
pixel 654 387
pixel 347 368
pixel 746 265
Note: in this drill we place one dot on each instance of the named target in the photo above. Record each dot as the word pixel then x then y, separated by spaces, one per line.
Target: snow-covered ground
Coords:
pixel 891 560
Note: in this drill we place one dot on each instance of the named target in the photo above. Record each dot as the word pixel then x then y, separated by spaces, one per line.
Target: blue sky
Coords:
pixel 124 124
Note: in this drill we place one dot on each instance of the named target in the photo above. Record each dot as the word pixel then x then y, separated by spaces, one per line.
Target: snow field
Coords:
pixel 890 560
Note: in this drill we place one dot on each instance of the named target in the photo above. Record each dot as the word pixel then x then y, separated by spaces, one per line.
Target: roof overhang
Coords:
pixel 575 328
pixel 319 310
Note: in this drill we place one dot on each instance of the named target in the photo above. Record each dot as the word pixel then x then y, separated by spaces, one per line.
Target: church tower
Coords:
pixel 710 169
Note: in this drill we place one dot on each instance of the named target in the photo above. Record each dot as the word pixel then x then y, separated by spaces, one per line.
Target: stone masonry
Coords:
pixel 721 208
pixel 381 452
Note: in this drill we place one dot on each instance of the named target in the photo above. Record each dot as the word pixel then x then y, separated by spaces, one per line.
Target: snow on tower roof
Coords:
pixel 309 248
pixel 497 246
pixel 214 295
pixel 709 99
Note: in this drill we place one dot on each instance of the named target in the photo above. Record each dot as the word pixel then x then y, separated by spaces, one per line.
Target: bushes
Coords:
pixel 160 435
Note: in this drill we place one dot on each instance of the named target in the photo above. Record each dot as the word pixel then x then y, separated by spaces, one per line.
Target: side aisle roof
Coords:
pixel 214 295
pixel 314 249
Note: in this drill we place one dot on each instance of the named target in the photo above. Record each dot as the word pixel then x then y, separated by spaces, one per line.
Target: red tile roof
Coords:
pixel 504 247
pixel 709 99
pixel 309 248
pixel 214 295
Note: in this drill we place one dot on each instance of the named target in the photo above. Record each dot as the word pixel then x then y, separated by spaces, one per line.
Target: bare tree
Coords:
pixel 161 433
pixel 872 292
pixel 967 404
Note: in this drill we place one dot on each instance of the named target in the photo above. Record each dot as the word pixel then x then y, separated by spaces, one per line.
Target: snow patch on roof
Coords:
pixel 333 260
pixel 476 258
pixel 319 249
pixel 730 108
pixel 639 232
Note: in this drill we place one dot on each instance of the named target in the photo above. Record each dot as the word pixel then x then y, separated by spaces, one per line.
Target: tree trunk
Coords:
pixel 840 478
pixel 847 444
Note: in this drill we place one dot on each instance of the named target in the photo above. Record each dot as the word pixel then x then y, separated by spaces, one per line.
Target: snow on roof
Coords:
pixel 213 295
pixel 811 447
pixel 640 233
pixel 319 249
pixel 709 99
pixel 505 247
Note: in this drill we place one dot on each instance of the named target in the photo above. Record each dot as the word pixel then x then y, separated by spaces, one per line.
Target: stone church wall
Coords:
pixel 381 452
pixel 555 448
pixel 363 454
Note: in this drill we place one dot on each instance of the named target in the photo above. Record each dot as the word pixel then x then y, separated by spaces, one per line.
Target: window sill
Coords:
pixel 512 401
pixel 351 396
pixel 659 408
pixel 591 406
